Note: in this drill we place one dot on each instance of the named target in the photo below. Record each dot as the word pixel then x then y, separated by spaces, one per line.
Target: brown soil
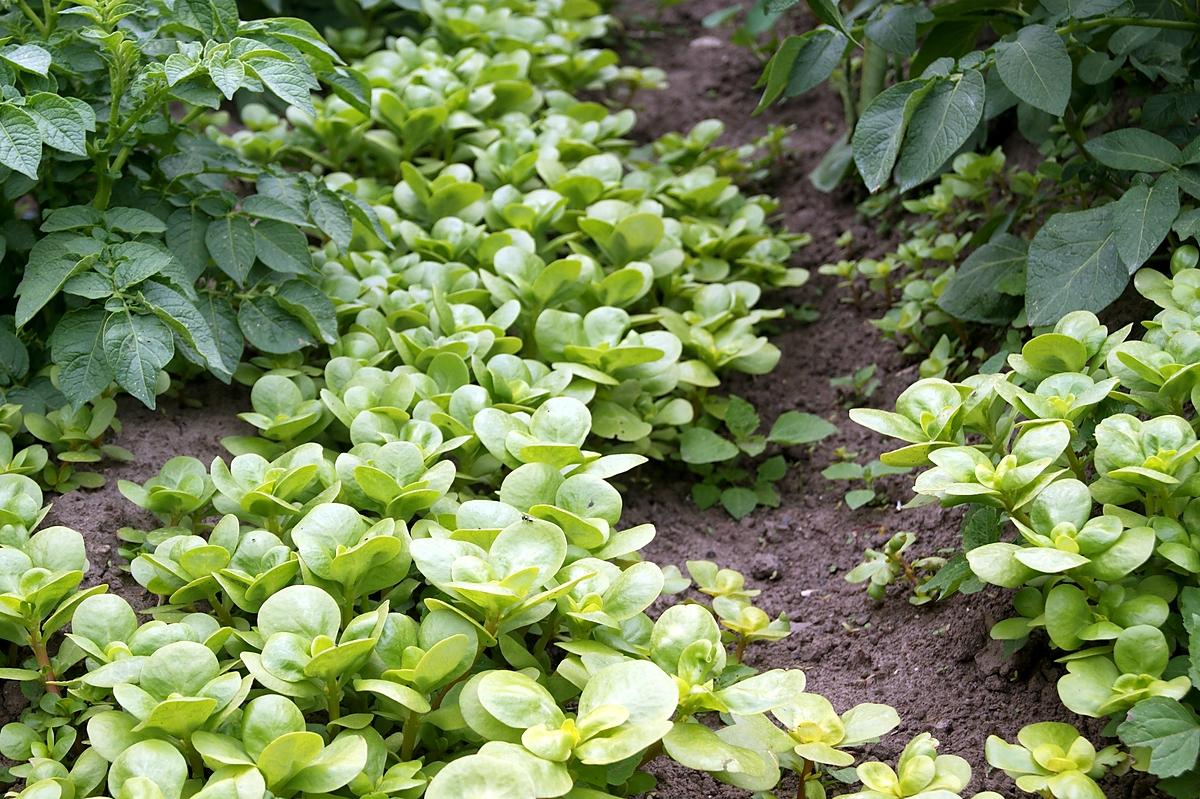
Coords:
pixel 936 664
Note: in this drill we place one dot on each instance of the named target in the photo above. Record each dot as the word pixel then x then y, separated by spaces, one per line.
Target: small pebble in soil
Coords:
pixel 765 566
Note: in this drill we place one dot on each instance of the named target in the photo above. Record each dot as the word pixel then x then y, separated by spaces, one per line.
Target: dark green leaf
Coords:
pixel 700 445
pixel 186 321
pixel 941 123
pixel 329 214
pixel 1074 265
pixel 1144 216
pixel 877 136
pixel 133 220
pixel 310 305
pixel 285 80
pixel 58 122
pixel 974 292
pixel 230 242
pixel 77 347
pixel 49 267
pixel 738 502
pixel 29 57
pixel 1134 149
pixel 271 329
pixel 186 230
pixel 1170 730
pixel 794 428
pixel 802 63
pixel 226 331
pixel 282 247
pixel 265 207
pixel 137 348
pixel 20 141
pixel 1035 66
pixel 895 29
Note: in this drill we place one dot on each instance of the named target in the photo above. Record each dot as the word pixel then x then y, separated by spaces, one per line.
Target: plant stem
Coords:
pixel 739 653
pixel 195 763
pixel 805 773
pixel 43 660
pixel 1120 22
pixel 333 696
pixel 551 629
pixel 1076 466
pixel 32 17
pixel 409 743
pixel 874 70
pixel 219 609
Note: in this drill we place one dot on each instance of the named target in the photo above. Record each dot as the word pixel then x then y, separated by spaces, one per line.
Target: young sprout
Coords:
pixel 881 568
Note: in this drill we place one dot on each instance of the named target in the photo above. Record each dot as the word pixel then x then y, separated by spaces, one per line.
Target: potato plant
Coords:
pixel 1085 451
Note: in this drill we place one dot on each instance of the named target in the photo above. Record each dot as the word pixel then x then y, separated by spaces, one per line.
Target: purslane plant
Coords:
pixel 1086 450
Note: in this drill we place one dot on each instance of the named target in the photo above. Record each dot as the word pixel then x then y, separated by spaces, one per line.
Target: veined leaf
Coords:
pixel 941 123
pixel 974 292
pixel 1035 66
pixel 331 217
pixel 1074 265
pixel 309 304
pixel 29 57
pixel 230 241
pixel 1135 150
pixel 77 346
pixel 801 63
pixel 286 81
pixel 58 122
pixel 20 141
pixel 1144 216
pixel 269 328
pixel 186 321
pixel 137 348
pixel 51 264
pixel 282 247
pixel 877 136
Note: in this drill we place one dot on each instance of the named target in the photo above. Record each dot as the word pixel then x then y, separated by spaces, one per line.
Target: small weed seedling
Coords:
pixel 881 568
